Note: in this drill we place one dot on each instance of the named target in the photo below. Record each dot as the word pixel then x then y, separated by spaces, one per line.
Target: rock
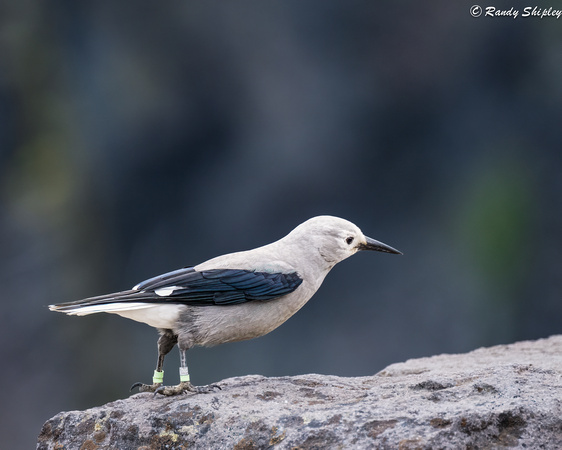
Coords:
pixel 503 396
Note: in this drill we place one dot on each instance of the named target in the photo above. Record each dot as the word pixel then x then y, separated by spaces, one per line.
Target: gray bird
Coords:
pixel 233 297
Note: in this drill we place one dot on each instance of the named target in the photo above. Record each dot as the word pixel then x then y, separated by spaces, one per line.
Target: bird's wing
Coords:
pixel 223 286
pixel 201 288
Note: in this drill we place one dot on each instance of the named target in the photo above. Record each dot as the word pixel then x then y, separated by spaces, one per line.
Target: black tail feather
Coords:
pixel 116 297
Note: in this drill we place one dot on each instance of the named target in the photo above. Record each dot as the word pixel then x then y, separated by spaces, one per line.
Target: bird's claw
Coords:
pixel 146 387
pixel 179 389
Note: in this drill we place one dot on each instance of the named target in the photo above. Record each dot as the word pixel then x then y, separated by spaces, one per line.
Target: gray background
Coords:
pixel 140 137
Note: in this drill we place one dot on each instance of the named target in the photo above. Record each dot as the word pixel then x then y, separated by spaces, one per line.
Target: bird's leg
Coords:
pixel 185 385
pixel 165 343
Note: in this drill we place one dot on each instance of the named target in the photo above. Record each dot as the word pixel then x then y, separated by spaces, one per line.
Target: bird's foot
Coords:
pixel 146 387
pixel 182 388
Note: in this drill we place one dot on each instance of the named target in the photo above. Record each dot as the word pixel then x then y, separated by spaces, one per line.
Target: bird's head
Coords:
pixel 336 239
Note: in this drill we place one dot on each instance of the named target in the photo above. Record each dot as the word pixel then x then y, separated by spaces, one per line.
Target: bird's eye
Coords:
pixel 349 240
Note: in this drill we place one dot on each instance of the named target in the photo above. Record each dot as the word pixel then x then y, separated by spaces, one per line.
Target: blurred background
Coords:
pixel 140 137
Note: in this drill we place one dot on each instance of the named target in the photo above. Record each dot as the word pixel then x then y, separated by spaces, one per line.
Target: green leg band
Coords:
pixel 158 377
pixel 184 375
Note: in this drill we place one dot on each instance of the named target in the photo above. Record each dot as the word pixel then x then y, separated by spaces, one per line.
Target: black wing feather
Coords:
pixel 208 287
pixel 231 286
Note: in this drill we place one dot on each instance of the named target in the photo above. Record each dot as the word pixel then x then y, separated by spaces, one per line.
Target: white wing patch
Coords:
pixel 166 291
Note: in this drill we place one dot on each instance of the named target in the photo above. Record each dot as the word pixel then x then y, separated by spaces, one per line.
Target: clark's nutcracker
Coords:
pixel 232 297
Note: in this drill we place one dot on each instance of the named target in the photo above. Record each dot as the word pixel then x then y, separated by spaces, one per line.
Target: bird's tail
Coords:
pixel 118 301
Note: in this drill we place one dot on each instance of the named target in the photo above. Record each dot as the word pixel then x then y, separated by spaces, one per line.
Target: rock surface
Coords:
pixel 503 396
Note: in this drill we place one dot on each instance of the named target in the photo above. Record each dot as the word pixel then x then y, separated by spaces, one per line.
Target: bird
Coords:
pixel 233 297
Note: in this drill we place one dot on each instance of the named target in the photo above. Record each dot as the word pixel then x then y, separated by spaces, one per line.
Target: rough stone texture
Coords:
pixel 504 396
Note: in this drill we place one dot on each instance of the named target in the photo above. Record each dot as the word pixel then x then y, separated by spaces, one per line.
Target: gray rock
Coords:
pixel 503 396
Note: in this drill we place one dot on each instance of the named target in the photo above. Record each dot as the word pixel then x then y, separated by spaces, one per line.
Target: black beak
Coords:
pixel 377 246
